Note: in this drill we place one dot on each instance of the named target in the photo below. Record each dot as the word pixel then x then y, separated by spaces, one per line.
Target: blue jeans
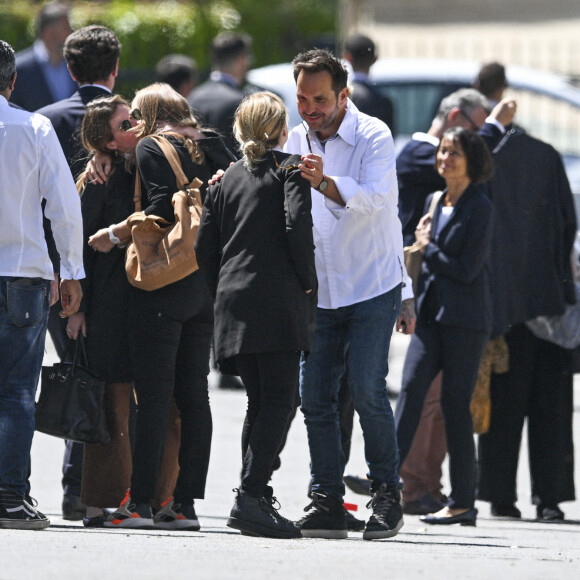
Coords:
pixel 23 320
pixel 364 329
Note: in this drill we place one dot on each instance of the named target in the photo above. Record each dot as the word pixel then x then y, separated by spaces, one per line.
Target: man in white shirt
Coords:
pixel 361 276
pixel 33 168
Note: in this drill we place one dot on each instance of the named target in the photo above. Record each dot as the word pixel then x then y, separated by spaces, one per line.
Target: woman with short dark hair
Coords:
pixel 454 314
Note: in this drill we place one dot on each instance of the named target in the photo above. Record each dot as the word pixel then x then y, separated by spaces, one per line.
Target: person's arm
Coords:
pixel 297 209
pixel 207 244
pixel 63 209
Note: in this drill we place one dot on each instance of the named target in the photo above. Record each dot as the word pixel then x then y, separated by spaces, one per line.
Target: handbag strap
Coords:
pixel 434 201
pixel 172 156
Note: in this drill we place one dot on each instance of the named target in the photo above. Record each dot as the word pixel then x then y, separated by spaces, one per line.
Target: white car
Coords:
pixel 548 105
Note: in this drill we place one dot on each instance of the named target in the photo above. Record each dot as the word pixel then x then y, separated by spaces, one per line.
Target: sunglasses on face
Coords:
pixel 126 124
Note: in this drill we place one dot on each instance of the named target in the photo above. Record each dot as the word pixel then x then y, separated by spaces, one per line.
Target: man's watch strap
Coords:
pixel 322 185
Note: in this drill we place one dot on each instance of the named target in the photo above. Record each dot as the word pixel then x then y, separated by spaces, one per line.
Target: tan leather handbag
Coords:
pixel 161 253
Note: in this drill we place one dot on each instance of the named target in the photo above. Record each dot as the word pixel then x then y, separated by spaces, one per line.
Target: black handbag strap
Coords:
pixel 79 357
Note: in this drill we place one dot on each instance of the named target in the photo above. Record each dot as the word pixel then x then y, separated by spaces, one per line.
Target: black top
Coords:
pixel 256 249
pixel 105 288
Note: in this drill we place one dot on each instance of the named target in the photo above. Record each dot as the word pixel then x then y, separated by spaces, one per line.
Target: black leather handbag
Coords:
pixel 71 404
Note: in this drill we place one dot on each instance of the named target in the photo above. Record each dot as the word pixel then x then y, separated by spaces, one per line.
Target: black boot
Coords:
pixel 326 518
pixel 387 517
pixel 257 516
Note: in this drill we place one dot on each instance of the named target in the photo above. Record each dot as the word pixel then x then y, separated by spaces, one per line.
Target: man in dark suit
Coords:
pixel 43 77
pixel 215 101
pixel 92 55
pixel 360 52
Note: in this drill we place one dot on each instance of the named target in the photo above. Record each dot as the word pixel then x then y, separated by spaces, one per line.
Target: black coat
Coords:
pixel 214 103
pixel 534 230
pixel 370 101
pixel 106 289
pixel 454 286
pixel 66 117
pixel 256 248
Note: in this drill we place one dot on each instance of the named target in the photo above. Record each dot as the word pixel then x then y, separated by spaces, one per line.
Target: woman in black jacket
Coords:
pixel 454 314
pixel 256 249
pixel 171 328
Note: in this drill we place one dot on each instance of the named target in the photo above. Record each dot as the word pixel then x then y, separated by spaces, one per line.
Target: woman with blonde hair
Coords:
pixel 256 249
pixel 171 327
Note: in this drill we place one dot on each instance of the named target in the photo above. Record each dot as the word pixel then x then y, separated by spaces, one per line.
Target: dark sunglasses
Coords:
pixel 278 166
pixel 126 124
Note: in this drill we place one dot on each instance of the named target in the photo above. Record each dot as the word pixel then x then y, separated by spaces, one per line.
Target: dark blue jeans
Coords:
pixel 365 329
pixel 23 320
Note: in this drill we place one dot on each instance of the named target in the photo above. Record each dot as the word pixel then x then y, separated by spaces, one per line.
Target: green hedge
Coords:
pixel 149 30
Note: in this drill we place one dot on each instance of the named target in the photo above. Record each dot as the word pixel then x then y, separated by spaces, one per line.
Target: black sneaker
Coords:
pixel 326 518
pixel 18 514
pixel 131 515
pixel 387 517
pixel 176 516
pixel 257 516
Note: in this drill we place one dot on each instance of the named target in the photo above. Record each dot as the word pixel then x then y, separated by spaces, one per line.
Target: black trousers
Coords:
pixel 538 386
pixel 170 336
pixel 271 382
pixel 457 352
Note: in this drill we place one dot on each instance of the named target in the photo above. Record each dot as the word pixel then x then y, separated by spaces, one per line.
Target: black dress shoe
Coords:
pixel 547 513
pixel 465 519
pixel 360 485
pixel 73 508
pixel 505 511
pixel 354 524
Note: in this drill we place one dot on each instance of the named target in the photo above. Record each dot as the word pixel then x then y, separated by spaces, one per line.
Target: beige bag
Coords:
pixel 413 255
pixel 161 253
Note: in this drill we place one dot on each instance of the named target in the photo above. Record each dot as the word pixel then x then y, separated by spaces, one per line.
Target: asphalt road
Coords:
pixel 494 549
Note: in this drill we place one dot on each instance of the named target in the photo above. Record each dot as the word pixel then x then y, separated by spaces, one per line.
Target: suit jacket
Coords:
pixel 31 91
pixel 256 249
pixel 214 103
pixel 371 102
pixel 534 230
pixel 454 286
pixel 66 117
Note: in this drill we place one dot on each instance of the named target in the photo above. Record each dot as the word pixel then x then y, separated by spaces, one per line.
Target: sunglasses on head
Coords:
pixel 126 124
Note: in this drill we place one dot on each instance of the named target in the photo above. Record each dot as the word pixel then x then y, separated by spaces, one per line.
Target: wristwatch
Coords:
pixel 322 185
pixel 114 239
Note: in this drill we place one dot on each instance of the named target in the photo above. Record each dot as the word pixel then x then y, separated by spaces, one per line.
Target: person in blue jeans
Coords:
pixel 361 277
pixel 33 168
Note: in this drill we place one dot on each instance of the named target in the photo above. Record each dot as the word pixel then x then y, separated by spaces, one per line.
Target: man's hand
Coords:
pixel 70 297
pixel 407 319
pixel 53 296
pixel 76 323
pixel 312 169
pixel 98 168
pixel 504 111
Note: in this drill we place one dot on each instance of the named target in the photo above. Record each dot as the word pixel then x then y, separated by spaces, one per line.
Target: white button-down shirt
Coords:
pixel 359 247
pixel 33 167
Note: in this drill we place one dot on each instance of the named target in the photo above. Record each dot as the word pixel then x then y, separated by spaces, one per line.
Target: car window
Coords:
pixel 415 104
